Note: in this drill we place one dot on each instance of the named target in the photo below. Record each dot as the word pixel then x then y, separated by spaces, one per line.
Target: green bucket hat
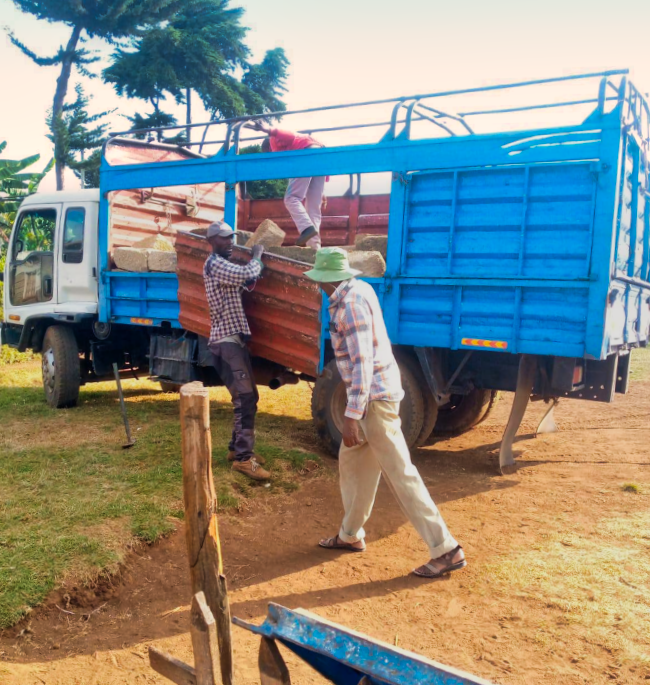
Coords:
pixel 332 265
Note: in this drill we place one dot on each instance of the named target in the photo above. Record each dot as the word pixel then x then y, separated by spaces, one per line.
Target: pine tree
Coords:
pixel 200 50
pixel 75 134
pixel 107 19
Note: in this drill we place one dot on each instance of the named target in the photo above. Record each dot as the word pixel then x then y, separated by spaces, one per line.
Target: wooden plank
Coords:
pixel 273 670
pixel 201 529
pixel 203 630
pixel 171 668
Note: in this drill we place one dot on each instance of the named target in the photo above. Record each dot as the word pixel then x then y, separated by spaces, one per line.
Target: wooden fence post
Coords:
pixel 201 529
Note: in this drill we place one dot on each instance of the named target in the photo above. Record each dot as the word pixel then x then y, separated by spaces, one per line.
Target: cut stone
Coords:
pixel 268 234
pixel 307 255
pixel 162 260
pixel 372 243
pixel 131 258
pixel 371 264
pixel 155 242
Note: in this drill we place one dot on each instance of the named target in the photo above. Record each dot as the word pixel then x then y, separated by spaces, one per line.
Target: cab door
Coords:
pixel 32 287
pixel 77 259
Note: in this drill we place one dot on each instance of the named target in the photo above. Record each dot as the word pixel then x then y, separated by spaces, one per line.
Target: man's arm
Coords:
pixel 232 274
pixel 359 340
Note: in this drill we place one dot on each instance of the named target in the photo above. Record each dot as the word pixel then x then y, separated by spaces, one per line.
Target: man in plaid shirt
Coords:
pixel 373 443
pixel 224 283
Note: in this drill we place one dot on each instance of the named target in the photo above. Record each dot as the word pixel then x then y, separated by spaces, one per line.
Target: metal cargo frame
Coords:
pixel 526 310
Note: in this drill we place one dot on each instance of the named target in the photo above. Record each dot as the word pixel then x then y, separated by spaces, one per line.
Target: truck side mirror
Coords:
pixel 18 247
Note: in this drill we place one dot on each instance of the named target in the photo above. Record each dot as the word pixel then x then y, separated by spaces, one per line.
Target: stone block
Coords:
pixel 162 260
pixel 268 234
pixel 131 258
pixel 370 264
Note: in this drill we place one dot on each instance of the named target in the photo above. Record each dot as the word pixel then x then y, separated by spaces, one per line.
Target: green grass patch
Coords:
pixel 630 487
pixel 640 364
pixel 72 501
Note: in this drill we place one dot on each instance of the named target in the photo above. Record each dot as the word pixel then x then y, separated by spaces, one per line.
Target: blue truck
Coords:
pixel 517 260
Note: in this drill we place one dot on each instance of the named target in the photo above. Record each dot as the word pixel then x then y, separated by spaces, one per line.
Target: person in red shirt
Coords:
pixel 309 191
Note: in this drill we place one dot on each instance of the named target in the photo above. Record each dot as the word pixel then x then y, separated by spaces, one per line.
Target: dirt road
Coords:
pixel 557 589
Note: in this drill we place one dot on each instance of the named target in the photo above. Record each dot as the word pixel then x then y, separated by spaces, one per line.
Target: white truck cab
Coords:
pixel 51 265
pixel 50 278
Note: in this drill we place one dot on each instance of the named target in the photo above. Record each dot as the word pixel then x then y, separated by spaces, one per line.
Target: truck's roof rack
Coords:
pixel 614 86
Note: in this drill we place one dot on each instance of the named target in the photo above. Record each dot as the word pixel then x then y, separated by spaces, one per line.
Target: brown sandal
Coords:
pixel 434 572
pixel 336 543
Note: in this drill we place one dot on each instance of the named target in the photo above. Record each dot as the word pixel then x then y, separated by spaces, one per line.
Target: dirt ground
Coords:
pixel 557 589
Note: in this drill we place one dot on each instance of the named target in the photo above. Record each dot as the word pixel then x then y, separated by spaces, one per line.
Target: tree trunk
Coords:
pixel 61 92
pixel 188 113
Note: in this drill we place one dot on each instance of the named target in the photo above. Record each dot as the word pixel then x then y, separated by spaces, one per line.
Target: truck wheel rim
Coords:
pixel 48 369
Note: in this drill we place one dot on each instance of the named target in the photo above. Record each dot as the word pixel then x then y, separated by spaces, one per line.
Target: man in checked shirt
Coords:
pixel 373 443
pixel 224 283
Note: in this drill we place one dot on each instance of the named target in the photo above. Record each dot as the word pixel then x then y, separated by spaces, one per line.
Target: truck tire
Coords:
pixel 463 412
pixel 60 366
pixel 329 400
pixel 430 408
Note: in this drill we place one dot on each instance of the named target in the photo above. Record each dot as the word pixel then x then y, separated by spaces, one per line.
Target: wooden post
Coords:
pixel 171 668
pixel 273 670
pixel 204 642
pixel 201 530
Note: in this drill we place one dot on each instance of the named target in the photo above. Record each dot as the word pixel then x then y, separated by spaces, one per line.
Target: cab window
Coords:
pixel 73 235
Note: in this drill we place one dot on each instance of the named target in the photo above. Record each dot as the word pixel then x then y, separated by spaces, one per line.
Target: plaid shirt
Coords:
pixel 364 355
pixel 224 282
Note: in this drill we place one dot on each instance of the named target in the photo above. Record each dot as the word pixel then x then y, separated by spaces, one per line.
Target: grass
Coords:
pixel 72 501
pixel 630 487
pixel 640 367
pixel 593 580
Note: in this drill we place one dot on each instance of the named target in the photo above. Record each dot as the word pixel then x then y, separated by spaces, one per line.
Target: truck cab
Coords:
pixel 51 267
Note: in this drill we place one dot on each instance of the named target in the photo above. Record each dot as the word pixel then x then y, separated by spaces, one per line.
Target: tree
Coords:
pixel 74 135
pixel 201 49
pixel 15 186
pixel 263 190
pixel 106 19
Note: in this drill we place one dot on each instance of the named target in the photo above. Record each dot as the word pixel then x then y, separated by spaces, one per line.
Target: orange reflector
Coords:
pixel 494 344
pixel 577 374
pixel 14 317
pixel 143 322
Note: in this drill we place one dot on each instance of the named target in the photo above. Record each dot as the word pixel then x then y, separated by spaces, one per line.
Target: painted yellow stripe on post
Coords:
pixel 475 342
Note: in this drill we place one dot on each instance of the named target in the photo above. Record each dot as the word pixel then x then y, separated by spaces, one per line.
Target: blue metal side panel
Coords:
pixel 541 318
pixel 151 296
pixel 531 221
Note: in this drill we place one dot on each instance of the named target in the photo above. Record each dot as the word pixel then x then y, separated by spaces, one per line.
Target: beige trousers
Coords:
pixel 309 190
pixel 385 452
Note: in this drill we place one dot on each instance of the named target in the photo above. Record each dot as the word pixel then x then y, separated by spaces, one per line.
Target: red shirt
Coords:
pixel 283 141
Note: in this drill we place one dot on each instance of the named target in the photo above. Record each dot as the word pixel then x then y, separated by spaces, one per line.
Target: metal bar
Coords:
pixel 424 96
pixel 452 226
pixel 524 216
pixel 568 103
pixel 459 368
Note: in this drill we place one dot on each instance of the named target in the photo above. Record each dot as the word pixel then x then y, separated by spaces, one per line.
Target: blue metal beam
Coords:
pixel 344 655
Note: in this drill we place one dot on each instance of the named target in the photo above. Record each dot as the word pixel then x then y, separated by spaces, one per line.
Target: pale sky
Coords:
pixel 354 50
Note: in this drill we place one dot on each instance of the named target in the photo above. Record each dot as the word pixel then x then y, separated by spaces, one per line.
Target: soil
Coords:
pixel 492 619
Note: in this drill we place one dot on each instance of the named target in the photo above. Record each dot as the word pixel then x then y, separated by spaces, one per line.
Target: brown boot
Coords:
pixel 252 469
pixel 258 457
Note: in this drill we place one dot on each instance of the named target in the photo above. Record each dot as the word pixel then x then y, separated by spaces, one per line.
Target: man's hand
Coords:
pixel 258 251
pixel 259 126
pixel 351 433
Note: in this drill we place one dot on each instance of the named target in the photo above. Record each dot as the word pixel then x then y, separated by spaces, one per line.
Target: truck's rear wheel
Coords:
pixel 430 407
pixel 329 400
pixel 60 364
pixel 463 412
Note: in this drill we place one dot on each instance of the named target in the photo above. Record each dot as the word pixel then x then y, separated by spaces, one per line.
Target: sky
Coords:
pixel 354 50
